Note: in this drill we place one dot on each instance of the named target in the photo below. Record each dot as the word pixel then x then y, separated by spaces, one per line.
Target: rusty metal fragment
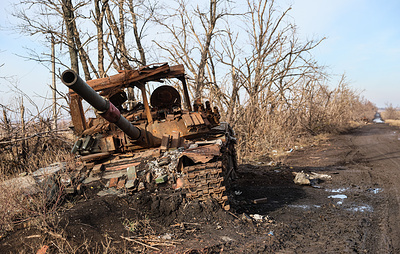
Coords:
pixel 203 154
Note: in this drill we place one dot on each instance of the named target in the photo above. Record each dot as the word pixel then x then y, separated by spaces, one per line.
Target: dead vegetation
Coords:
pixel 391 115
pixel 314 110
pixel 29 142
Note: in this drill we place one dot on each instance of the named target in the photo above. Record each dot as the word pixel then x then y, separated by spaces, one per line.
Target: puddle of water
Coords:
pixel 305 207
pixel 375 190
pixel 341 196
pixel 362 208
pixel 338 196
pixel 339 190
pixel 378 120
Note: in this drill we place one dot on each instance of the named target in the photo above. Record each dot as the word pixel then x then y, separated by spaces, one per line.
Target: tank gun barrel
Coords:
pixel 105 108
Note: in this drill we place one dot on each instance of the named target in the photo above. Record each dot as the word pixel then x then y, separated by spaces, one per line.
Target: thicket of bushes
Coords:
pixel 284 124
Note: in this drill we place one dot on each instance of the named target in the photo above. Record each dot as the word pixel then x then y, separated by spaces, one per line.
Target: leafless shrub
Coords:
pixel 29 144
pixel 390 113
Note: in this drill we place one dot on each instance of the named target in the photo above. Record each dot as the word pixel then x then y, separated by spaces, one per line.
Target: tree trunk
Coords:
pixel 69 19
pixel 99 18
pixel 200 79
pixel 137 35
pixel 53 87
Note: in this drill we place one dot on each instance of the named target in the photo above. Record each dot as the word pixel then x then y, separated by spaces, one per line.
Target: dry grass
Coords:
pixel 32 206
pixel 38 211
pixel 393 122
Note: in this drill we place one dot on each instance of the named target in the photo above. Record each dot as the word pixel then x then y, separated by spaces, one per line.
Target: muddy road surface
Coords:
pixel 356 211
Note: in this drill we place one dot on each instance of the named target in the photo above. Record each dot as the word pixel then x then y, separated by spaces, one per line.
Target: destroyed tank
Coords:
pixel 160 140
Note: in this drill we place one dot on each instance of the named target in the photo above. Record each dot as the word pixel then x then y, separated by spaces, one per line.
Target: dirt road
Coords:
pixel 357 211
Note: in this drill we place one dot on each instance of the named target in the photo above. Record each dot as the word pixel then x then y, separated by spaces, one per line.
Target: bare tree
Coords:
pixel 229 56
pixel 191 43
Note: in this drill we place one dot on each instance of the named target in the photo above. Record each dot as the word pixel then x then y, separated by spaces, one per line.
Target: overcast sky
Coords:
pixel 363 41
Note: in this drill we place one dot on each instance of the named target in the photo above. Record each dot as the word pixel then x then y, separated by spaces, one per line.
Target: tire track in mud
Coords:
pixel 380 151
pixel 380 241
pixel 393 240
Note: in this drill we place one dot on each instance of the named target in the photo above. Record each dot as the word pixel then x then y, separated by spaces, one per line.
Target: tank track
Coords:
pixel 206 181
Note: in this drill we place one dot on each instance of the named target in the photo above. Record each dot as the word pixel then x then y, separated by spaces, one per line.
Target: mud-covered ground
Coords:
pixel 357 211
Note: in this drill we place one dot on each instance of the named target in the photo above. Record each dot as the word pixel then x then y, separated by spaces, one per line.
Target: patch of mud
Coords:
pixel 177 224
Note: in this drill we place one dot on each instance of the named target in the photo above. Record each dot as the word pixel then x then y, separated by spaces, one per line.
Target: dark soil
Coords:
pixel 357 211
